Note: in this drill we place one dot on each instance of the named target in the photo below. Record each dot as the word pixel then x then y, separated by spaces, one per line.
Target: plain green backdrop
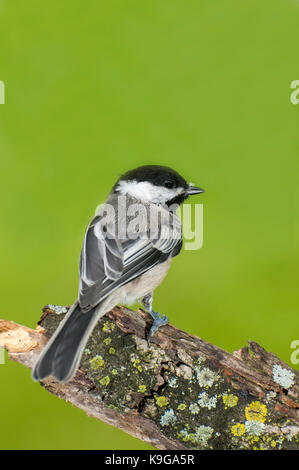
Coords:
pixel 96 88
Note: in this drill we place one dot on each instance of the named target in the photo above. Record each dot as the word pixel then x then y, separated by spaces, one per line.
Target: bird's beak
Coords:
pixel 194 190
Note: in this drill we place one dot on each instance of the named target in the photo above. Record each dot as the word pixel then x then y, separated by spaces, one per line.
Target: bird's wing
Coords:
pixel 101 258
pixel 107 263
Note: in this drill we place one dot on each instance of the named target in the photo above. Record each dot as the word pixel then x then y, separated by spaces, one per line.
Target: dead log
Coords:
pixel 177 392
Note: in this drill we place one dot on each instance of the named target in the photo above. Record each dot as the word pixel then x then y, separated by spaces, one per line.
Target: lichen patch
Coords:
pixel 283 376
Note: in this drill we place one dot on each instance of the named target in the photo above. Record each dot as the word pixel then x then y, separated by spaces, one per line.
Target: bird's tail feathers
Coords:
pixel 61 356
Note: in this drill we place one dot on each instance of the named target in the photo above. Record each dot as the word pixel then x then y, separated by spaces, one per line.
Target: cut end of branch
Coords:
pixel 18 338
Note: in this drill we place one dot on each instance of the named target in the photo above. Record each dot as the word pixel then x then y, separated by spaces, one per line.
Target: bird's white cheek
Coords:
pixel 147 192
pixel 141 191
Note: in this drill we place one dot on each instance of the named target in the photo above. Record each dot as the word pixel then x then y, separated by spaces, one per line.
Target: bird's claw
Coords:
pixel 157 323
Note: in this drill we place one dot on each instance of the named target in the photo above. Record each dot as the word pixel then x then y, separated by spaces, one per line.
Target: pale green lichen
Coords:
pixel 194 408
pixel 283 376
pixel 114 372
pixel 58 309
pixel 205 401
pixel 290 431
pixel 201 435
pixel 173 383
pixel 168 418
pixel 206 377
pixel 270 395
pixel 255 428
pixel 187 436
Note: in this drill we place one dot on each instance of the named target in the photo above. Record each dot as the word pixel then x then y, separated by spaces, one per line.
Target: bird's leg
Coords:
pixel 147 302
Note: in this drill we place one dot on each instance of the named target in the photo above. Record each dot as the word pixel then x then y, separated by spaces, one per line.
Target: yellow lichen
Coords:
pixel 182 406
pixel 96 362
pixel 108 327
pixel 238 429
pixel 230 400
pixel 111 351
pixel 114 372
pixel 256 411
pixel 162 401
pixel 137 365
pixel 142 388
pixel 107 341
pixel 105 381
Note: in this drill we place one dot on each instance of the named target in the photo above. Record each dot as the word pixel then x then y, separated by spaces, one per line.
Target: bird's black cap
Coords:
pixel 157 175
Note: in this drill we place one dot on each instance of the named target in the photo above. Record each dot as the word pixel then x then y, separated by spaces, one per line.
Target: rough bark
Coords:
pixel 177 392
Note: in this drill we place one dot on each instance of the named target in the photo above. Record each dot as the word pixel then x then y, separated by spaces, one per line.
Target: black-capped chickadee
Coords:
pixel 126 253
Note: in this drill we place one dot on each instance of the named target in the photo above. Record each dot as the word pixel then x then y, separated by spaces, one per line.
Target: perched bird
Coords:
pixel 126 253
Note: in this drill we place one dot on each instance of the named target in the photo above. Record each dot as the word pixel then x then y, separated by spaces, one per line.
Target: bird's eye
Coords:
pixel 169 184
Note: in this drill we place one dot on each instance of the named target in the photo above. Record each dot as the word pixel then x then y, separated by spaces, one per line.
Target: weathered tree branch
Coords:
pixel 178 392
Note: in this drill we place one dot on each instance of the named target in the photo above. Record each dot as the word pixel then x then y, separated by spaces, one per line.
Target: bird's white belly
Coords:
pixel 145 284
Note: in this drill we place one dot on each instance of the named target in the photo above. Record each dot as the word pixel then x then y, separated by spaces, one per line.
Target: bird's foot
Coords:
pixel 157 323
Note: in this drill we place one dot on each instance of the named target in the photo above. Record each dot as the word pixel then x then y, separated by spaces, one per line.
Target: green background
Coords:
pixel 96 88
